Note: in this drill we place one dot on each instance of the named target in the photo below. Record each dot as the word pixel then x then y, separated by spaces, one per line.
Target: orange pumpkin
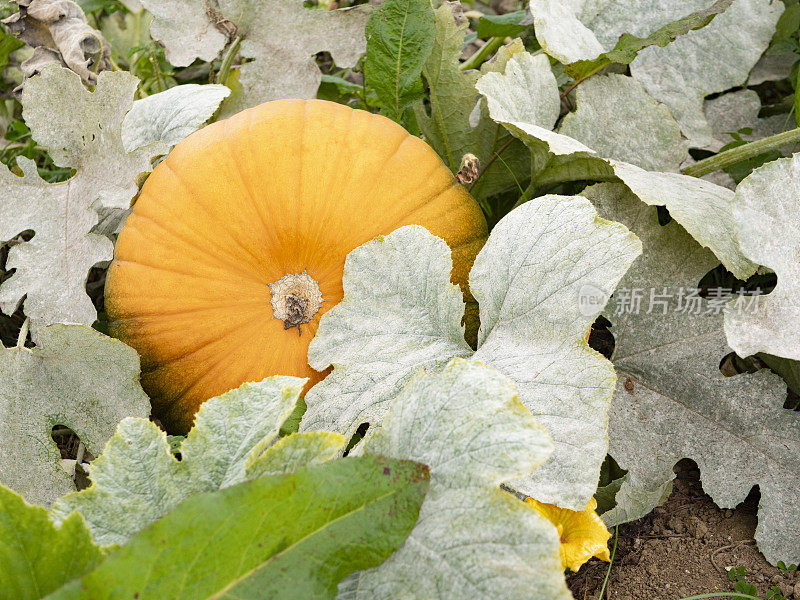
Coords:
pixel 236 245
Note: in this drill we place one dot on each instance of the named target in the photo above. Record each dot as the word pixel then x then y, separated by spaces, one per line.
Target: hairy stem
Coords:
pixel 741 153
pixel 477 59
pixel 227 60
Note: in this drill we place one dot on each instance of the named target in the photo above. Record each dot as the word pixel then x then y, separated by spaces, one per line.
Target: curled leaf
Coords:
pixel 281 36
pixel 59 34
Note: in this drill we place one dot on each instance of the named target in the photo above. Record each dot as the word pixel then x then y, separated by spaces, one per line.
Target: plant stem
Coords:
pixel 157 71
pixel 23 332
pixel 227 60
pixel 491 160
pixel 741 153
pixel 722 595
pixel 610 563
pixel 477 59
pixel 79 458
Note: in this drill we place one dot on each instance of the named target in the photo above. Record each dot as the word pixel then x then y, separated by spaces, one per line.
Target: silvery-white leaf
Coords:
pixel 186 29
pixel 707 61
pixel 514 100
pixel 111 221
pixel 77 378
pixel 52 268
pixel 738 110
pixel 633 503
pixel 672 401
pixel 82 130
pixel 472 540
pixel 281 36
pixel 542 278
pixel 572 30
pixel 137 480
pixel 525 99
pixel 619 120
pixel 171 115
pixel 771 67
pixel 765 212
pixel 703 208
pixel 401 313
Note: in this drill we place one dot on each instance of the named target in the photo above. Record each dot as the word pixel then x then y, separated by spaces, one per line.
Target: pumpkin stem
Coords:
pixel 296 298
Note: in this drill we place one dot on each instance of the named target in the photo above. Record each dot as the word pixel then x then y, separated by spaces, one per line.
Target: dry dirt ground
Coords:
pixel 684 548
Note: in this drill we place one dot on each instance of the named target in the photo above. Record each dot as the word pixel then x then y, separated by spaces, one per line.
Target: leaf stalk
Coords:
pixel 741 153
pixel 227 60
pixel 477 59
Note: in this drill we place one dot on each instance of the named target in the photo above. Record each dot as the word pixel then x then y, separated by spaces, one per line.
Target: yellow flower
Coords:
pixel 582 532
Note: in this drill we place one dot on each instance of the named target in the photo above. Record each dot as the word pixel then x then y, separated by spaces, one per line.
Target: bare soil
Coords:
pixel 684 548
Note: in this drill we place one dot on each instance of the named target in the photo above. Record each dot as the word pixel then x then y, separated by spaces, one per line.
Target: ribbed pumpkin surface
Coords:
pixel 282 188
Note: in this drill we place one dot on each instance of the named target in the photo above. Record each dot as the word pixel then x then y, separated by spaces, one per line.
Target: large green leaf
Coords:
pixel 400 37
pixel 457 121
pixel 77 378
pixel 400 313
pixel 472 540
pixel 286 536
pixel 672 401
pixel 137 480
pixel 37 557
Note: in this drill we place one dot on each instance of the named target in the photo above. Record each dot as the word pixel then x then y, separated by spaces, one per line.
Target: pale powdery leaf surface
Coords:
pixel 77 378
pixel 737 110
pixel 609 107
pixel 771 67
pixel 672 401
pixel 171 115
pixel 281 36
pixel 471 540
pixel 519 98
pixel 400 313
pixel 137 480
pixel 703 208
pixel 525 99
pixel 52 268
pixel 294 451
pixel 765 213
pixel 529 280
pixel 572 30
pixel 707 61
pixel 83 130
